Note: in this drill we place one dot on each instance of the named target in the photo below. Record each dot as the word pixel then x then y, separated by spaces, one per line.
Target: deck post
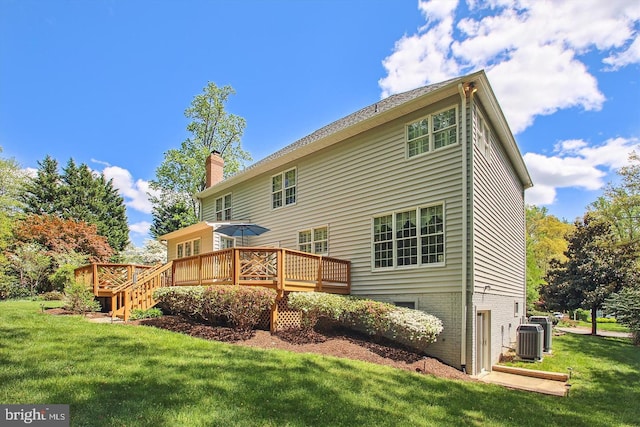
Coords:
pixel 95 278
pixel 280 266
pixel 200 270
pixel 236 266
pixel 319 278
pixel 127 305
pixel 274 317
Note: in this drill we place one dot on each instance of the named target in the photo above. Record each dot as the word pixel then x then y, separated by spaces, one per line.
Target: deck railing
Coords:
pixel 128 287
pixel 278 268
pixel 105 277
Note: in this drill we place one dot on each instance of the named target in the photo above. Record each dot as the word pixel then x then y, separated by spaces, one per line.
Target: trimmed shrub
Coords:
pixel 182 300
pixel 314 305
pixel 410 327
pixel 414 327
pixel 239 306
pixel 370 316
pixel 80 299
pixel 149 313
pixel 52 296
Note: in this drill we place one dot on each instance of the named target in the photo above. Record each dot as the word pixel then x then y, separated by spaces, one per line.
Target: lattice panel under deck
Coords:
pixel 287 318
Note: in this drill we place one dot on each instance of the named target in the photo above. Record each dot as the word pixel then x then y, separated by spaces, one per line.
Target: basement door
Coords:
pixel 483 336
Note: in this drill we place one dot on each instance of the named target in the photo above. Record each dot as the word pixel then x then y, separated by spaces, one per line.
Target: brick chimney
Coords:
pixel 214 167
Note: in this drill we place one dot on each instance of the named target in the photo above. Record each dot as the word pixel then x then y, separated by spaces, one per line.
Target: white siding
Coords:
pixel 498 221
pixel 345 186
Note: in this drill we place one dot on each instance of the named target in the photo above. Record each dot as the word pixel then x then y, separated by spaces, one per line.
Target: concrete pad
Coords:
pixel 527 383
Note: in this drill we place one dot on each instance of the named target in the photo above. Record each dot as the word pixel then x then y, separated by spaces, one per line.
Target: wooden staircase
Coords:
pixel 125 287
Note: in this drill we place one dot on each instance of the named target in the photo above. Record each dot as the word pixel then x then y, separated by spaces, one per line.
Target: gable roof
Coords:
pixel 376 114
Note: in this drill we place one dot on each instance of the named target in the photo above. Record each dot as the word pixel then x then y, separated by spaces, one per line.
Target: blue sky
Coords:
pixel 107 81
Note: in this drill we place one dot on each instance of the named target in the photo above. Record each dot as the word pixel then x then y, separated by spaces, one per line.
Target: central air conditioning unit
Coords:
pixel 547 326
pixel 529 342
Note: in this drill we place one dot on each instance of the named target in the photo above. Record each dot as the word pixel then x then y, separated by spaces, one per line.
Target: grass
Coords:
pixel 611 327
pixel 121 375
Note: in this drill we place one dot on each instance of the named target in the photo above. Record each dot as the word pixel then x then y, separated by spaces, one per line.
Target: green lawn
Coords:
pixel 121 375
pixel 612 327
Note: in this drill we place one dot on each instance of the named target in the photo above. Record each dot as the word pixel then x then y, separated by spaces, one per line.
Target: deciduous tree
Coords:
pixel 59 236
pixel 546 241
pixel 12 182
pixel 596 267
pixel 182 173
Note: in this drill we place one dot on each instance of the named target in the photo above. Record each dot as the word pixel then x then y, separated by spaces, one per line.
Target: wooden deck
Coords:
pixel 127 287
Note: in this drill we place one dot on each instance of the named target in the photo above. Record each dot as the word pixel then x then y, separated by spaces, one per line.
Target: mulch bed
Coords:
pixel 329 340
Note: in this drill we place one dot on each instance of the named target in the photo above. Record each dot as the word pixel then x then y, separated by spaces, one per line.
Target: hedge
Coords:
pixel 411 327
pixel 239 306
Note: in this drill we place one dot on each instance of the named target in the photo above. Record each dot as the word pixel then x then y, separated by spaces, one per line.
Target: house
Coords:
pixel 423 192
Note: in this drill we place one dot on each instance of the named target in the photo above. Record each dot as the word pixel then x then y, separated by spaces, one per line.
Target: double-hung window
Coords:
pixel 409 238
pixel 433 132
pixel 483 136
pixel 283 188
pixel 315 241
pixel 223 208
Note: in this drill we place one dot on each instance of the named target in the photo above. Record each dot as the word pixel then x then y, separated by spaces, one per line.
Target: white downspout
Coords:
pixel 465 258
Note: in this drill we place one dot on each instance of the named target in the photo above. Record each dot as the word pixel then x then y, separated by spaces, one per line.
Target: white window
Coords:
pixel 226 242
pixel 315 241
pixel 483 137
pixel 283 188
pixel 432 132
pixel 409 238
pixel 223 208
pixel 188 248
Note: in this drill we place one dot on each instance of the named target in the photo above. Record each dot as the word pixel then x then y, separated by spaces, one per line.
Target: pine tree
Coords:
pixel 81 195
pixel 170 216
pixel 88 197
pixel 42 192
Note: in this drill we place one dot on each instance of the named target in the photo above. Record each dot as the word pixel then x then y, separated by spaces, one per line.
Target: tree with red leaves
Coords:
pixel 61 236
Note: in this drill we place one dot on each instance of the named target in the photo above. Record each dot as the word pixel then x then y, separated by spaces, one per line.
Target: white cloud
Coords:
pixel 531 50
pixel 100 162
pixel 135 193
pixel 577 164
pixel 141 228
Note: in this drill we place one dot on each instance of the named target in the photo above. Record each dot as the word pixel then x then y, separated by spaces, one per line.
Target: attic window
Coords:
pixel 432 132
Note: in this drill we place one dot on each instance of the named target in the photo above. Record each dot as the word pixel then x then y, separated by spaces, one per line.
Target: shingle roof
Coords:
pixel 353 119
pixel 335 131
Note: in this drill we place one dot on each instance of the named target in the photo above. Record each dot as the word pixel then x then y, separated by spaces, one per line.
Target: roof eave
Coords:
pixel 334 138
pixel 486 95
